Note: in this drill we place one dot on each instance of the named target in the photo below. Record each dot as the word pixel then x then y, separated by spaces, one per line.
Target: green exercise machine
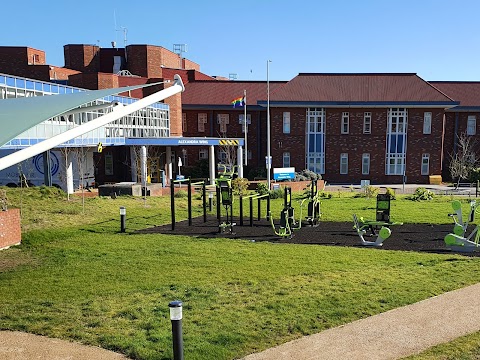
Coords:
pixel 380 227
pixel 225 198
pixel 457 241
pixel 460 226
pixel 287 217
pixel 313 205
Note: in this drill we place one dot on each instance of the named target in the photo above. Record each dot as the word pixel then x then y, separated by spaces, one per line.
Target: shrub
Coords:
pixel 422 193
pixel 259 172
pixel 305 175
pixel 240 186
pixel 181 194
pixel 276 194
pixel 391 193
pixel 369 191
pixel 3 200
pixel 262 188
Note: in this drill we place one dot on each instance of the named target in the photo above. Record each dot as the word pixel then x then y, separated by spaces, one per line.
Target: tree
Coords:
pixel 464 160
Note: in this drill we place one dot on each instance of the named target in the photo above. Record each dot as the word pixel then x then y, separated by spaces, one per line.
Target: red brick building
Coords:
pixel 347 127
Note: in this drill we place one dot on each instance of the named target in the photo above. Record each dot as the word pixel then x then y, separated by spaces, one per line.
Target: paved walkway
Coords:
pixel 391 335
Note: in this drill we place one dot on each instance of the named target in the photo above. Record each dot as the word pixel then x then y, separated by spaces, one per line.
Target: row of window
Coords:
pixel 223 121
pixel 366 164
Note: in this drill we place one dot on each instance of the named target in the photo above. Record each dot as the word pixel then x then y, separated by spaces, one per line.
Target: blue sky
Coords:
pixel 438 39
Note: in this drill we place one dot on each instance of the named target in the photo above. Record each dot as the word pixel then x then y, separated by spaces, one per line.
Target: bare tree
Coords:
pixel 464 160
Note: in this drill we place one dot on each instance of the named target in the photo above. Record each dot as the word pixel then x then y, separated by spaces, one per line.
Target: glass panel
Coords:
pixel 10 81
pixel 2 79
pixel 318 144
pixel 311 143
pixel 55 89
pixel 400 141
pixel 46 87
pixel 30 85
pixel 21 83
pixel 393 144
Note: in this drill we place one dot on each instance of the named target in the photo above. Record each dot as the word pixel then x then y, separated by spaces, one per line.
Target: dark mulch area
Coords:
pixel 407 237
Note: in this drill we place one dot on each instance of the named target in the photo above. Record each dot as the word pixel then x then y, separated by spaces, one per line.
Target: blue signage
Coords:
pixel 284 173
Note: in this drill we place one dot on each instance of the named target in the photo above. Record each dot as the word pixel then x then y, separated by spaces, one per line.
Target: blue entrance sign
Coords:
pixel 284 173
pixel 185 141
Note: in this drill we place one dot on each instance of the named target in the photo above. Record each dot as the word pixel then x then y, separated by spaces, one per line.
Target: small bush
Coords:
pixel 3 200
pixel 240 186
pixel 368 192
pixel 181 194
pixel 421 194
pixel 262 188
pixel 391 193
pixel 277 193
pixel 305 175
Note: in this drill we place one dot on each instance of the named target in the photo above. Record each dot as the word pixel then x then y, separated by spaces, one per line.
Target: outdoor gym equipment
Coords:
pixel 381 224
pixel 458 241
pixel 313 206
pixel 225 197
pixel 259 199
pixel 287 217
pixel 460 226
pixel 227 172
pixel 189 199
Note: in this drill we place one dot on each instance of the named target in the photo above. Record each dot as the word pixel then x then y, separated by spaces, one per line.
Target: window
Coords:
pixel 427 123
pixel 202 120
pixel 249 154
pixel 286 159
pixel 343 163
pixel 240 121
pixel 203 154
pixel 345 117
pixel 425 164
pixel 315 149
pixel 396 141
pixel 108 164
pixel 472 125
pixel 365 164
pixel 222 156
pixel 223 120
pixel 286 122
pixel 367 123
pixel 184 122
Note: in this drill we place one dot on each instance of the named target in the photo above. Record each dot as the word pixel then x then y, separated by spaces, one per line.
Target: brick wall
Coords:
pixel 35 57
pixel 84 58
pixel 93 81
pixel 10 230
pixel 190 65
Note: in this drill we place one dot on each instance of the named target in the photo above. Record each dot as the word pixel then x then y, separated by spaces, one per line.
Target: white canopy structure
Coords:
pixel 18 115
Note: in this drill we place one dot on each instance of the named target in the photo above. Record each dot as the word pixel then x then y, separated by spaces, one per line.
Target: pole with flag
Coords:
pixel 246 123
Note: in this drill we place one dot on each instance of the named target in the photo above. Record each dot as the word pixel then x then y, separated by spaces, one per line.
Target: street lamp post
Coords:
pixel 268 160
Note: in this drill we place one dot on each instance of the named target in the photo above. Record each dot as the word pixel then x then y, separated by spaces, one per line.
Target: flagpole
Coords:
pixel 246 124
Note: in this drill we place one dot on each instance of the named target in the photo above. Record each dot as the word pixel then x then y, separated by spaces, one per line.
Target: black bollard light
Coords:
pixel 123 215
pixel 177 336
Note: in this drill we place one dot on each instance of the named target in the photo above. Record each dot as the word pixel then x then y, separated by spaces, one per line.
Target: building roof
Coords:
pixel 466 92
pixel 359 88
pixel 221 93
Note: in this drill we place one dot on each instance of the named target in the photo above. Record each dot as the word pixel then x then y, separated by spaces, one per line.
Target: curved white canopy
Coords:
pixel 20 114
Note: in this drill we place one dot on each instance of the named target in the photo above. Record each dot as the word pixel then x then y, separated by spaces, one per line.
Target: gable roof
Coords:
pixel 209 94
pixel 359 89
pixel 466 92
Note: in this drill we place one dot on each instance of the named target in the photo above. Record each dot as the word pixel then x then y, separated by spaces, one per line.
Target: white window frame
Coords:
pixel 366 164
pixel 240 121
pixel 471 125
pixel 201 121
pixel 344 163
pixel 223 120
pixel 286 159
pixel 396 130
pixel 427 122
pixel 286 122
pixel 202 154
pixel 184 122
pixel 345 122
pixel 425 169
pixel 367 122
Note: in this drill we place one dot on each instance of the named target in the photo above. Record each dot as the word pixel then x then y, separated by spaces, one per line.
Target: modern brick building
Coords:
pixel 347 127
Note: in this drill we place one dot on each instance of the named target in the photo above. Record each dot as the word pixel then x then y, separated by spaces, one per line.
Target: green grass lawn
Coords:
pixel 75 277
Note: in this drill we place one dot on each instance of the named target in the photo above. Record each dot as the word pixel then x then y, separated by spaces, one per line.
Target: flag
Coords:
pixel 238 101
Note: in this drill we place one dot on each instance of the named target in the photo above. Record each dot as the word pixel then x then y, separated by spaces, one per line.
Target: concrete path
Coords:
pixel 16 345
pixel 391 335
